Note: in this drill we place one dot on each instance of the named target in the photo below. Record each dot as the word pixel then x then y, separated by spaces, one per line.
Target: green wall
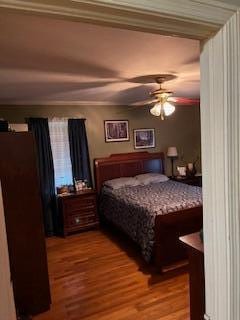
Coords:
pixel 182 129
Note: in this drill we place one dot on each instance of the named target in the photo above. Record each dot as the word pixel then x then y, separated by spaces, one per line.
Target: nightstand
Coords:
pixel 193 181
pixel 78 210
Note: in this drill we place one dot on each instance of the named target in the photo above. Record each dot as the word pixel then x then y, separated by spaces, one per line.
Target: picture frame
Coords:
pixel 182 171
pixel 116 130
pixel 144 138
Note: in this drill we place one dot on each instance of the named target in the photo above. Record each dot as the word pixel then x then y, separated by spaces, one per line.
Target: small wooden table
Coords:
pixel 196 275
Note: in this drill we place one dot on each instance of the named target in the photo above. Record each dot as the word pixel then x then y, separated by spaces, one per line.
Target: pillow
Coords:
pixel 122 182
pixel 148 178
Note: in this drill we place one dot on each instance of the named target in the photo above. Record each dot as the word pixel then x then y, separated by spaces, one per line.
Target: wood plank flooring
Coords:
pixel 96 275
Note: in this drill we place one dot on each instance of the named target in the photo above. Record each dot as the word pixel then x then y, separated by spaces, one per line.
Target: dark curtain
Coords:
pixel 79 150
pixel 39 128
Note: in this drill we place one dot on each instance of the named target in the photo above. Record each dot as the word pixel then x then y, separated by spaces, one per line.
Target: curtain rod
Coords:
pixel 52 118
pixel 65 118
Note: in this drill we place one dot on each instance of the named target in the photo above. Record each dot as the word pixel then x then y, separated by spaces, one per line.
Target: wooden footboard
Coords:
pixel 168 229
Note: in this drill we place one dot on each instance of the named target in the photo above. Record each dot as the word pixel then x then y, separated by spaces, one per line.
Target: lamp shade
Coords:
pixel 168 108
pixel 156 110
pixel 172 152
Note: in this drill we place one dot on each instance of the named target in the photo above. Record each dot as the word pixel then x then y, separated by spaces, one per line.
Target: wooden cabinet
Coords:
pixel 196 275
pixel 24 222
pixel 78 210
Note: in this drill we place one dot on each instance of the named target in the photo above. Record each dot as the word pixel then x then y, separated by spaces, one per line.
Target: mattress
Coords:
pixel 134 209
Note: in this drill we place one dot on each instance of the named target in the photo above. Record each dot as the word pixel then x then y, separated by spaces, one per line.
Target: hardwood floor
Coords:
pixel 97 276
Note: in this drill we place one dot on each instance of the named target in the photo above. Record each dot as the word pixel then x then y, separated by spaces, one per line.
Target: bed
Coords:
pixel 136 210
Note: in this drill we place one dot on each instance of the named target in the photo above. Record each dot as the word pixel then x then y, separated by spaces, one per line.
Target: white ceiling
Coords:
pixel 45 59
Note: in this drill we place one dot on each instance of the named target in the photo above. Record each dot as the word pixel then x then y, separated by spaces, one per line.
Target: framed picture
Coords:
pixel 144 138
pixel 116 130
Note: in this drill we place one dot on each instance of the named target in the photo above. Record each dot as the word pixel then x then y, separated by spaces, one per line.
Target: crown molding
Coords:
pixel 59 103
pixel 198 19
pixel 73 103
pixel 210 11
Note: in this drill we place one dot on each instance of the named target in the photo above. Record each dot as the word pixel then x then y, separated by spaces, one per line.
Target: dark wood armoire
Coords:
pixel 24 222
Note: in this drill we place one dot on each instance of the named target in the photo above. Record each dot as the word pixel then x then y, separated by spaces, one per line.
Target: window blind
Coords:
pixel 58 129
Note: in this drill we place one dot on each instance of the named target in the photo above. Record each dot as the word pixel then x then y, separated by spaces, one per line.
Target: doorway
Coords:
pixel 219 124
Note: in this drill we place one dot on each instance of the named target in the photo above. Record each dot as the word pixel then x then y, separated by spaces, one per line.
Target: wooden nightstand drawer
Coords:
pixel 74 204
pixel 83 212
pixel 79 211
pixel 80 220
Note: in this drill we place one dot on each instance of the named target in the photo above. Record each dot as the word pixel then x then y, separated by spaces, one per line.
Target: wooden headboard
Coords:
pixel 127 165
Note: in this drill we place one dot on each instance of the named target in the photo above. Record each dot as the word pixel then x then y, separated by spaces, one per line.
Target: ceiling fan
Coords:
pixel 163 102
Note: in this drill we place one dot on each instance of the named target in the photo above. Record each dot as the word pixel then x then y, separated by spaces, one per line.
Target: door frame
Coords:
pixel 201 20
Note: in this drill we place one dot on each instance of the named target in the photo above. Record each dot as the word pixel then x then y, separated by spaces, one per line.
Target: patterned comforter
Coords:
pixel 134 209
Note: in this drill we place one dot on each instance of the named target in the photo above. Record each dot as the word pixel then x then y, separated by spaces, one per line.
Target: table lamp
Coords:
pixel 172 154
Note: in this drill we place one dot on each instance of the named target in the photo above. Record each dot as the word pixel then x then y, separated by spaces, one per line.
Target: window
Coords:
pixel 58 129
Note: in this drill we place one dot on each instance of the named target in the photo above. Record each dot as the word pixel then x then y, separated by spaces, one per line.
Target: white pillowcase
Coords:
pixel 148 178
pixel 122 182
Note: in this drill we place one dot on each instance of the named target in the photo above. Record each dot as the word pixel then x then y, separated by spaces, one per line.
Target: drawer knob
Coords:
pixel 77 220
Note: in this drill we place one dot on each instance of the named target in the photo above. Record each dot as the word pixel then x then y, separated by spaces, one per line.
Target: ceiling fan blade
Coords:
pixel 171 99
pixel 143 103
pixel 133 94
pixel 184 101
pixel 41 89
pixel 153 78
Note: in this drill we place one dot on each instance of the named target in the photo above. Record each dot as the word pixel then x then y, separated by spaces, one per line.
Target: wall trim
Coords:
pixel 198 19
pixel 75 103
pixel 57 103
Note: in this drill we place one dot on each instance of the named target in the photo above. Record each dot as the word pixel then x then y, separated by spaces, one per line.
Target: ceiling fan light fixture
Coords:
pixel 162 109
pixel 156 109
pixel 168 109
